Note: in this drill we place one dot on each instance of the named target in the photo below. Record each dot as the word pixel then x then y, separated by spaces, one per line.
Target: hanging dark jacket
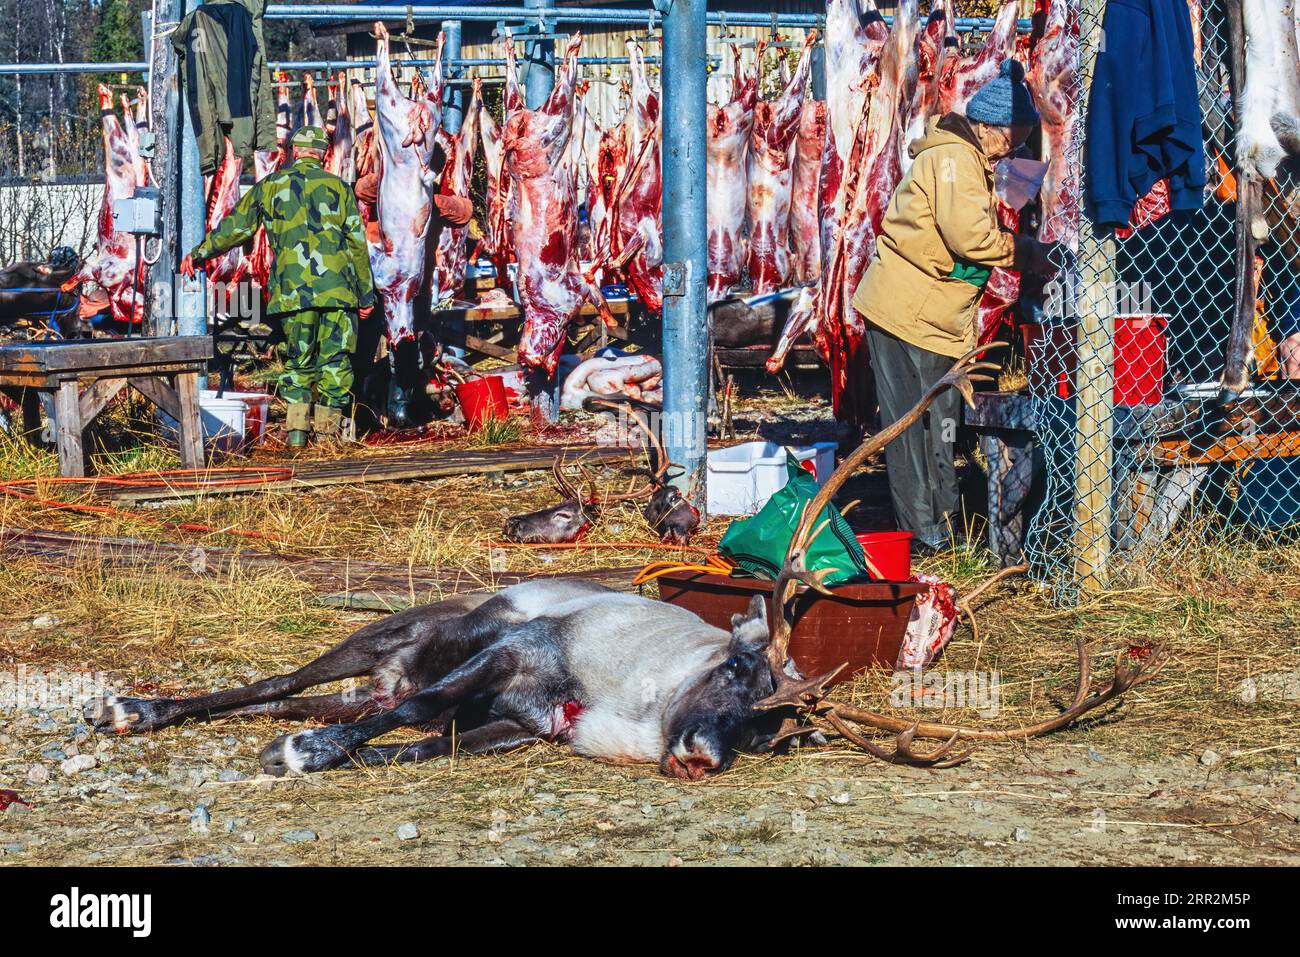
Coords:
pixel 224 75
pixel 1144 114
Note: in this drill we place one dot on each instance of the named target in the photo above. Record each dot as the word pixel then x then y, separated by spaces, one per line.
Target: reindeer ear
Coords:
pixel 749 631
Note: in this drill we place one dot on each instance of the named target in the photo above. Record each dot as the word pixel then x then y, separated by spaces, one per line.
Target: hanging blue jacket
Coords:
pixel 1144 114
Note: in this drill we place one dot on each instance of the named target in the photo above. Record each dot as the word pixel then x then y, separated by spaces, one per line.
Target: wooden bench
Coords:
pixel 83 376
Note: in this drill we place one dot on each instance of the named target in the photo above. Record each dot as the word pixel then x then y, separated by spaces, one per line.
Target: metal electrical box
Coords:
pixel 140 215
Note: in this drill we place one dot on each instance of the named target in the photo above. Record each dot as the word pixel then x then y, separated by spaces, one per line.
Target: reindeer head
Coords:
pixel 556 524
pixel 715 718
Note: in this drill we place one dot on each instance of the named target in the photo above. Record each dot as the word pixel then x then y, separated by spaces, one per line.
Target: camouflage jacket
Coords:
pixel 315 231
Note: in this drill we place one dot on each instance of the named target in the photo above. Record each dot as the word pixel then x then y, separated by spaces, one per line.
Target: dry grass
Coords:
pixel 1228 612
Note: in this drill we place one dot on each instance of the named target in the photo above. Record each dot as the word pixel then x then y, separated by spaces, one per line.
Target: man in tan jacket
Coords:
pixel 938 243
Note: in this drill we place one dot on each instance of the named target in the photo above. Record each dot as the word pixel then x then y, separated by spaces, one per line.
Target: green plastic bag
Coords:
pixel 758 545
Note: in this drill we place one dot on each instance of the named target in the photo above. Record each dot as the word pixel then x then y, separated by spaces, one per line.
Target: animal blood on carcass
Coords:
pixel 552 287
pixel 406 138
pixel 1052 78
pixel 805 193
pixel 729 128
pixel 498 241
pixel 771 157
pixel 114 264
pixel 451 256
pixel 636 227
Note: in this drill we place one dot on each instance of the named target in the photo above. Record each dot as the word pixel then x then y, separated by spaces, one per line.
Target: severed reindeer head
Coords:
pixel 556 524
pixel 715 717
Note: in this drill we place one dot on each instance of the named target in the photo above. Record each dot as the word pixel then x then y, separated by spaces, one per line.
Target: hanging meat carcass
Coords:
pixel 771 158
pixel 871 175
pixel 222 192
pixel 498 242
pixel 1269 127
pixel 310 115
pixel 135 124
pixel 551 285
pixel 339 158
pixel 937 53
pixel 114 265
pixel 405 140
pixel 635 214
pixel 729 128
pixel 855 36
pixel 963 76
pixel 604 166
pixel 1053 80
pixel 810 148
pixel 451 256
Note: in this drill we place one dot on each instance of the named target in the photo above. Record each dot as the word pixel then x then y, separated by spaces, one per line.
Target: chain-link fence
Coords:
pixel 1137 454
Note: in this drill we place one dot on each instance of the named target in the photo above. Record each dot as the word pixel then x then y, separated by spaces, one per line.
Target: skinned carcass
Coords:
pixel 810 147
pixel 873 172
pixel 451 257
pixel 406 135
pixel 135 124
pixel 729 128
pixel 962 77
pixel 552 287
pixel 115 265
pixel 339 158
pixel 310 114
pixel 771 157
pixel 604 166
pixel 1269 124
pixel 636 221
pixel 1052 79
pixel 498 242
pixel 937 53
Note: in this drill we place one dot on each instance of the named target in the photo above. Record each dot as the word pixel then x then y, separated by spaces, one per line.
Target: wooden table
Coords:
pixel 84 375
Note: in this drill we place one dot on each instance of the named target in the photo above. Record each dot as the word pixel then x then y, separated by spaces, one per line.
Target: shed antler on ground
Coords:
pixel 807 696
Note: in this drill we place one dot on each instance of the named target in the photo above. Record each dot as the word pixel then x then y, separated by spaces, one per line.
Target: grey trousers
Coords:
pixel 922 476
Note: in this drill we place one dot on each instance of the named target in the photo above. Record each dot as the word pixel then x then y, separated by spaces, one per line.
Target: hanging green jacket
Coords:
pixel 315 232
pixel 222 58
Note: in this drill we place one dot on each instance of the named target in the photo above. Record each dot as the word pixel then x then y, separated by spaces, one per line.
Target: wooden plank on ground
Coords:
pixel 431 464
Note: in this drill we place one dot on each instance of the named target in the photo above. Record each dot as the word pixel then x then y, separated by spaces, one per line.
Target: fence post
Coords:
pixel 1095 373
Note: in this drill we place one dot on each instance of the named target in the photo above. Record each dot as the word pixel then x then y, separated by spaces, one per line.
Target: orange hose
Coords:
pixel 715 565
pixel 19 488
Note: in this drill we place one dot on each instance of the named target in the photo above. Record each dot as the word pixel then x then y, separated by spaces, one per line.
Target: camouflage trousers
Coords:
pixel 318 356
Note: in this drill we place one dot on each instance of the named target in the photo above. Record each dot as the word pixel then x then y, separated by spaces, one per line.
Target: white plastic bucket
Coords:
pixel 223 423
pixel 257 405
pixel 743 477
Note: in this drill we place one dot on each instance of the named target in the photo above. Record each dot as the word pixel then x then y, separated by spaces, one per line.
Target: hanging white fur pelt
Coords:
pixel 1269 129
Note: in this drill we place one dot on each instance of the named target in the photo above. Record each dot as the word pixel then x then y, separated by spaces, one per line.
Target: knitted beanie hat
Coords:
pixel 1004 100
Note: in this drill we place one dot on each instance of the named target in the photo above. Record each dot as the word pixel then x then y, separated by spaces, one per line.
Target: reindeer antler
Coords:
pixel 659 458
pixel 805 695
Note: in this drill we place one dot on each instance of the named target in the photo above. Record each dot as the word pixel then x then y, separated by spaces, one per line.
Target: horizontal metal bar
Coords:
pixel 34 69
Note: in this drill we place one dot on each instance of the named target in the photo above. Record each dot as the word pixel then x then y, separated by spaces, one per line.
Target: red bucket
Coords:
pixel 890 552
pixel 1139 359
pixel 482 400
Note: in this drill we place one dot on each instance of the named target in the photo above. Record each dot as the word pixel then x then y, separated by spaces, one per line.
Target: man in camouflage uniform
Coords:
pixel 319 281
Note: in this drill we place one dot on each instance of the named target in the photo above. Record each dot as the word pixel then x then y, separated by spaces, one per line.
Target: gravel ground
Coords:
pixel 193 796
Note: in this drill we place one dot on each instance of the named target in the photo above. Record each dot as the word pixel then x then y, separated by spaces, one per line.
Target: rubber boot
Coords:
pixel 298 421
pixel 326 423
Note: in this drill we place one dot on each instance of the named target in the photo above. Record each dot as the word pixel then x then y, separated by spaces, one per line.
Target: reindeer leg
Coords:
pixel 344 706
pixel 323 748
pixel 389 642
pixel 495 737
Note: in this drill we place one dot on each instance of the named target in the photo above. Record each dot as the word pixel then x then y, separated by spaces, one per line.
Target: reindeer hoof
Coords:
pixel 304 752
pixel 110 713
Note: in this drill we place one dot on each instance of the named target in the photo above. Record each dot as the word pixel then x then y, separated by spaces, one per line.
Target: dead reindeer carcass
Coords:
pixel 570 661
pixel 557 524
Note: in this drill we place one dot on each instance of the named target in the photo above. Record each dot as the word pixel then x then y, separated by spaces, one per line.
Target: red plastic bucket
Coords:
pixel 1139 359
pixel 482 400
pixel 890 552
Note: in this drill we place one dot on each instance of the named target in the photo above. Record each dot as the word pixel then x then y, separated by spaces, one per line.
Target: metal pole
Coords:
pixel 453 98
pixel 685 327
pixel 191 306
pixel 539 58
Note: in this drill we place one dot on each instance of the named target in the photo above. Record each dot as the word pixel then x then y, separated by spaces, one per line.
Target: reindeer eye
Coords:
pixel 732 663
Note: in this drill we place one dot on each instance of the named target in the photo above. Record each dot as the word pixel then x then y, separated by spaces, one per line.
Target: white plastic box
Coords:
pixel 742 478
pixel 231 424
